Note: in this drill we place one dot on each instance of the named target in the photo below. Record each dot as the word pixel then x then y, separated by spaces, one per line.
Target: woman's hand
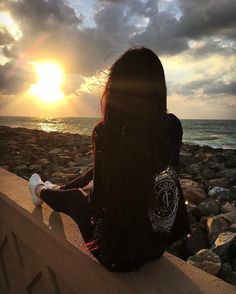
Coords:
pixel 86 189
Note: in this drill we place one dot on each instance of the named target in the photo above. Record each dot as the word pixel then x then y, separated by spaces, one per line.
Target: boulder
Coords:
pixel 204 157
pixel 209 206
pixel 225 272
pixel 193 191
pixel 206 260
pixel 187 158
pixel 43 161
pixel 219 157
pixel 222 244
pixel 84 148
pixel 63 159
pixel 208 173
pixel 232 228
pixel 215 226
pixel 233 188
pixel 21 168
pixel 231 162
pixel 227 173
pixel 196 241
pixel 35 168
pixel 228 207
pixel 219 191
pixel 194 169
pixel 219 182
pixel 71 164
pixel 82 161
pixel 230 217
pixel 55 151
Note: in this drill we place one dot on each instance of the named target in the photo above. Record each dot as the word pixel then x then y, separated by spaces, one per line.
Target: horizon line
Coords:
pixel 97 117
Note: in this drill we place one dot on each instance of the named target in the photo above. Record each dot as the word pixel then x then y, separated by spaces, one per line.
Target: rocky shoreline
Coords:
pixel 208 179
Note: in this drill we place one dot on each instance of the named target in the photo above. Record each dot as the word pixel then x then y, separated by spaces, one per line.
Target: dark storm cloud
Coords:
pixel 15 77
pixel 41 15
pixel 208 86
pixel 189 89
pixel 207 18
pixel 52 29
pixel 155 35
pixel 211 46
pixel 222 88
pixel 136 23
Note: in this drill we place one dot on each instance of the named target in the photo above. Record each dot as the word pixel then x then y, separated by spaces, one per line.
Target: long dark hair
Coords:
pixel 134 107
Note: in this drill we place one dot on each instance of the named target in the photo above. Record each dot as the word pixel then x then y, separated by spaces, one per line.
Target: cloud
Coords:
pixel 15 77
pixel 207 18
pixel 221 88
pixel 207 46
pixel 190 30
pixel 51 29
pixel 5 36
pixel 155 35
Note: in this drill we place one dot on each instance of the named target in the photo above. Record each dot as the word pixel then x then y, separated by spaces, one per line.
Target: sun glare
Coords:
pixel 50 80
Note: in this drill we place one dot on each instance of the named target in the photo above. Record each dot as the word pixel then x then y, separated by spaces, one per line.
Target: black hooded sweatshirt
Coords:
pixel 116 259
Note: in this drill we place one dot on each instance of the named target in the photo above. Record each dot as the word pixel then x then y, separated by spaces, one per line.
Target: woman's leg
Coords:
pixel 79 182
pixel 73 203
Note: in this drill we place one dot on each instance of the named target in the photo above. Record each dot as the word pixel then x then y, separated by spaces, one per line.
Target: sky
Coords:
pixel 195 40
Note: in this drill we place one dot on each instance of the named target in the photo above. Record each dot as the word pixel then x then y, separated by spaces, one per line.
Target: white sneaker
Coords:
pixel 34 181
pixel 50 185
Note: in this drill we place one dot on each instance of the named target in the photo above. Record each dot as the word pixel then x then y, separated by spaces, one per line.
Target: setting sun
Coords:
pixel 50 80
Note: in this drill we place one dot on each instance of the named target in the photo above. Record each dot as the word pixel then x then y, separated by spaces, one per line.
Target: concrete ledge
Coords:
pixel 41 251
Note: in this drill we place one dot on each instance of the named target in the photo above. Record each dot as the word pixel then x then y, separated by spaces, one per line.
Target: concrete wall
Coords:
pixel 41 251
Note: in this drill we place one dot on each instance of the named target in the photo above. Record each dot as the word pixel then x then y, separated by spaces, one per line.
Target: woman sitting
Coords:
pixel 130 206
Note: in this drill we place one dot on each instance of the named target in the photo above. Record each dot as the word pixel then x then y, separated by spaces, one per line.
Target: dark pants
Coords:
pixel 71 201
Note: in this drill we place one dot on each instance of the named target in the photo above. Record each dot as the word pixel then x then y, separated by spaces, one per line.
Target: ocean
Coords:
pixel 214 133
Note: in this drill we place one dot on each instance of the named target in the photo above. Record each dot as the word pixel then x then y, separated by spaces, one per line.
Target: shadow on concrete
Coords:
pixel 56 223
pixel 37 213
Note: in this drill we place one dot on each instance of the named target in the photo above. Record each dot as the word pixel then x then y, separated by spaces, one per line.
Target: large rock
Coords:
pixel 231 161
pixel 21 168
pixel 193 191
pixel 222 244
pixel 227 173
pixel 55 151
pixel 194 169
pixel 215 226
pixel 187 158
pixel 232 228
pixel 219 182
pixel 208 173
pixel 228 207
pixel 196 241
pixel 204 157
pixel 206 260
pixel 230 217
pixel 209 207
pixel 219 191
pixel 84 148
pixel 226 272
pixel 43 161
